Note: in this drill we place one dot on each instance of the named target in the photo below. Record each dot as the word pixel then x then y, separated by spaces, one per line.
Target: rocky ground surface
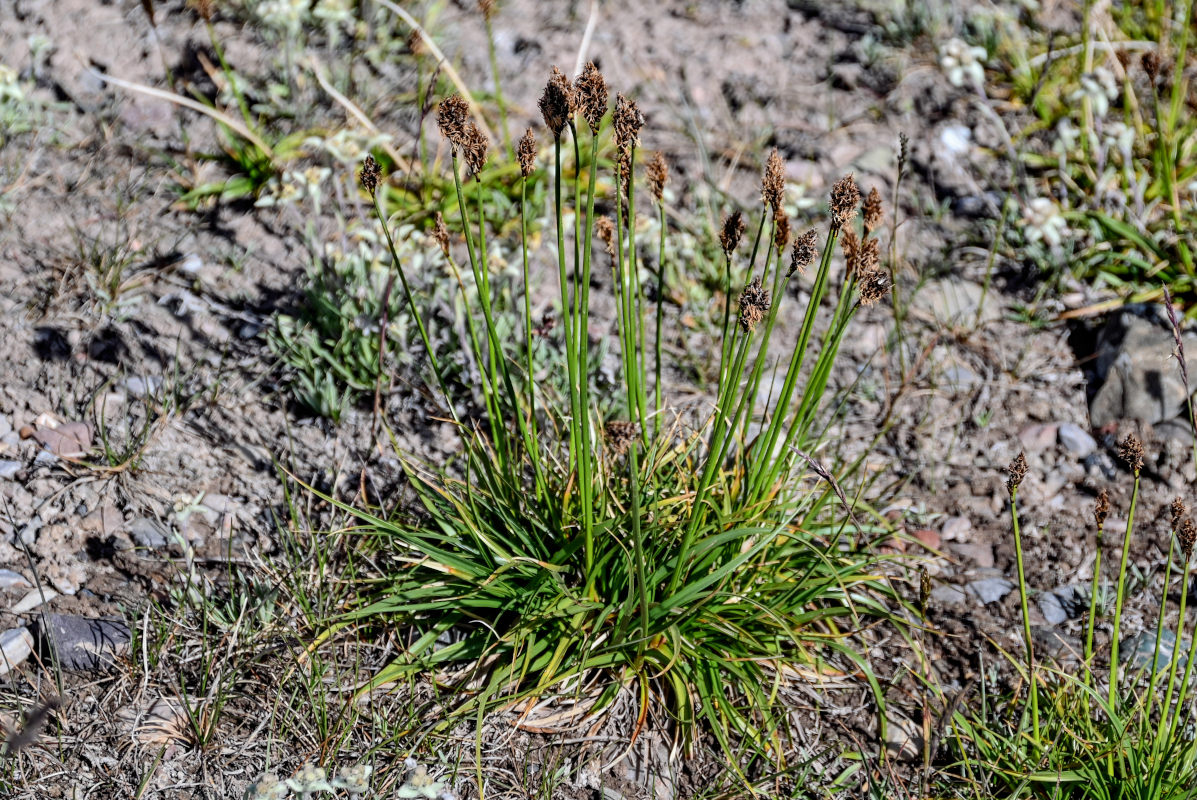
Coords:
pixel 142 427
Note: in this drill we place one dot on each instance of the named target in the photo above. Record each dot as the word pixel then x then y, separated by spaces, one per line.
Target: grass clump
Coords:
pixel 1124 733
pixel 673 554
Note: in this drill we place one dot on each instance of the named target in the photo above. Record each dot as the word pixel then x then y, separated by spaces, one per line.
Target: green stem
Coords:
pixel 1121 592
pixel 1026 616
pixel 660 323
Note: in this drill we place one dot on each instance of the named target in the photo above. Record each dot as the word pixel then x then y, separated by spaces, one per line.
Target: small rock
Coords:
pixel 1038 437
pixel 948 594
pixel 1075 440
pixel 990 590
pixel 959 379
pixel 1138 649
pixel 80 643
pixel 1052 644
pixel 140 387
pixel 16 645
pixel 979 554
pixel 9 469
pixel 28 531
pixel 903 739
pixel 147 533
pixel 34 599
pixel 102 520
pixel 1052 609
pixel 1136 376
pixel 955 528
pixel 12 580
pixel 927 538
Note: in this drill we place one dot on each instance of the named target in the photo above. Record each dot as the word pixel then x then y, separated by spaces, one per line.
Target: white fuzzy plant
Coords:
pixel 313 780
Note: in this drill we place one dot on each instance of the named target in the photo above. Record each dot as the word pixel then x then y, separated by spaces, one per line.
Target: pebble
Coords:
pixel 34 599
pixel 1075 440
pixel 16 645
pixel 1052 609
pixel 1051 643
pixel 12 580
pixel 9 469
pixel 147 533
pixel 948 594
pixel 927 538
pixel 979 554
pixel 903 739
pixel 1137 650
pixel 1038 437
pixel 955 528
pixel 990 590
pixel 140 387
pixel 84 644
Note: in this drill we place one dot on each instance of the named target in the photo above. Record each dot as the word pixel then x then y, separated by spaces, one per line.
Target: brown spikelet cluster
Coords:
pixel 903 150
pixel 1151 65
pixel 1017 471
pixel 369 175
pixel 440 232
pixel 487 7
pixel 627 122
pixel 1101 509
pixel 557 102
pixel 781 233
pixel 873 285
pixel 204 8
pixel 924 590
pixel 473 149
pixel 452 118
pixel 733 230
pixel 604 228
pixel 527 153
pixel 1131 451
pixel 1188 537
pixel 620 435
pixel 624 158
pixel 1178 513
pixel 591 94
pixel 845 198
pixel 871 211
pixel 803 254
pixel 754 305
pixel 415 44
pixel 861 256
pixel 657 172
pixel 773 184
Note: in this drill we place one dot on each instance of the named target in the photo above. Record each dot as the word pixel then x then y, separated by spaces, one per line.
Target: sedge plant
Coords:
pixel 1084 734
pixel 658 551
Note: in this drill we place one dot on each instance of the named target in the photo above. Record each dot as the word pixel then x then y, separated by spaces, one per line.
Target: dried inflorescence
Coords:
pixel 1101 509
pixel 1188 537
pixel 1178 513
pixel 845 197
pixel 440 232
pixel 1151 65
pixel 527 153
pixel 657 172
pixel 591 94
pixel 804 253
pixel 487 7
pixel 369 175
pixel 452 118
pixel 871 211
pixel 557 103
pixel 861 256
pixel 620 435
pixel 1017 471
pixel 773 184
pixel 604 228
pixel 205 8
pixel 733 230
pixel 473 149
pixel 781 233
pixel 627 122
pixel 874 285
pixel 415 44
pixel 754 305
pixel 1131 451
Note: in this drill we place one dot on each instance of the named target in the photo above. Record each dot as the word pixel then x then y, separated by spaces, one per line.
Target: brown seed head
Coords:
pixel 591 90
pixel 487 7
pixel 1188 537
pixel 1101 509
pixel 873 284
pixel 474 149
pixel 903 150
pixel 1151 65
pixel 415 43
pixel 845 197
pixel 1017 471
pixel 204 8
pixel 452 119
pixel 860 255
pixel 754 305
pixel 620 435
pixel 1178 512
pixel 804 253
pixel 605 228
pixel 527 153
pixel 657 172
pixel 441 233
pixel 773 184
pixel 1131 451
pixel 627 121
pixel 871 211
pixel 369 175
pixel 557 102
pixel 733 229
pixel 781 233
pixel 924 590
pixel 625 173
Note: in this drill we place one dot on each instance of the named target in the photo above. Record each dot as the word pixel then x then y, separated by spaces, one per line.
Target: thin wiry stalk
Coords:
pixel 1121 591
pixel 657 336
pixel 586 456
pixel 1026 616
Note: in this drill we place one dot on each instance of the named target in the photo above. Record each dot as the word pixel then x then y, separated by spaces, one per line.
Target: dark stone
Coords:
pixel 80 643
